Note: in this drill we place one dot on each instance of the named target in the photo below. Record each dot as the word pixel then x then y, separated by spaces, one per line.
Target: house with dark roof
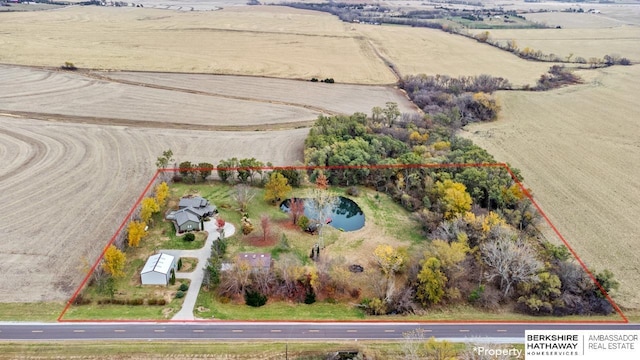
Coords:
pixel 198 205
pixel 191 213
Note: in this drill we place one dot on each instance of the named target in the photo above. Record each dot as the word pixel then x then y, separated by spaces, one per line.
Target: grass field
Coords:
pixel 575 149
pixel 254 350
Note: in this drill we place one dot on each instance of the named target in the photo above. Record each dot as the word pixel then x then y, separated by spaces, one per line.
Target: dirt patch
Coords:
pixel 259 241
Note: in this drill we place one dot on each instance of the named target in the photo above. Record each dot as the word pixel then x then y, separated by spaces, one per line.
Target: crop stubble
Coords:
pixel 578 150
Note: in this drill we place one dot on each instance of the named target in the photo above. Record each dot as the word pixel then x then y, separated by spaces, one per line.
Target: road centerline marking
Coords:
pixel 37 331
pixel 351 330
pixel 198 331
pixel 237 331
pixel 78 331
pixel 158 330
pixel 389 331
pixel 276 330
pixel 464 330
pixel 119 330
pixel 501 330
pixel 314 331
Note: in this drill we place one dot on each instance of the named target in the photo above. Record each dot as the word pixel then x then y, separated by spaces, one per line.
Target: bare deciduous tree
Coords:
pixel 510 261
pixel 321 204
pixel 235 280
pixel 262 280
pixel 296 209
pixel 265 223
pixel 243 194
pixel 289 271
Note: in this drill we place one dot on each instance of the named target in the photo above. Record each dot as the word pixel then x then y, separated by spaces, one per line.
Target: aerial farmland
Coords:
pixel 77 147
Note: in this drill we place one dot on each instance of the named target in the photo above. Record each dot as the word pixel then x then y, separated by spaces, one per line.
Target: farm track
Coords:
pixel 151 124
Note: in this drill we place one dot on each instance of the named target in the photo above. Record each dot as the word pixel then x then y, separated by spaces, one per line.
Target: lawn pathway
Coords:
pixel 196 276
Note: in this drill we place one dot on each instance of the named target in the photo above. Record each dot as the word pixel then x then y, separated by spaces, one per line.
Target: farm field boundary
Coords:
pixel 156 176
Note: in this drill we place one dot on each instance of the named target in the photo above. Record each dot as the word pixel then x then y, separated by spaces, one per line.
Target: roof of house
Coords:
pixel 198 205
pixel 194 202
pixel 183 216
pixel 256 259
pixel 160 263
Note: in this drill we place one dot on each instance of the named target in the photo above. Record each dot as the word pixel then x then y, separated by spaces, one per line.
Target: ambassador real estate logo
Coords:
pixel 582 344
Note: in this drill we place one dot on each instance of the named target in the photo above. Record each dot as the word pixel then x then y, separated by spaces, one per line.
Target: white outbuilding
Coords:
pixel 157 270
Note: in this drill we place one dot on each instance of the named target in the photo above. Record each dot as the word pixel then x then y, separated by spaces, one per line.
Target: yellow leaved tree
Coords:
pixel 149 207
pixel 391 261
pixel 162 192
pixel 454 198
pixel 136 232
pixel 276 188
pixel 114 261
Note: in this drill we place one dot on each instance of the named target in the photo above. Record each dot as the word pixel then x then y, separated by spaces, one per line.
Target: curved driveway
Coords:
pixel 197 275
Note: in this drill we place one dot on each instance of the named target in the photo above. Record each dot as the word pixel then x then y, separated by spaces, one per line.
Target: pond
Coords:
pixel 346 216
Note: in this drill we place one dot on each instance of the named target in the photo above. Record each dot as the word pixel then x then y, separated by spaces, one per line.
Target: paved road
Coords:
pixel 508 333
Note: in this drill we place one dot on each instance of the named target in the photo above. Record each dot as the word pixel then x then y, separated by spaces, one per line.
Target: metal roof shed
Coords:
pixel 157 270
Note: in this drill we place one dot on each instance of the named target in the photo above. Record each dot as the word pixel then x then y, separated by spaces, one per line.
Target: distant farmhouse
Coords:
pixel 157 270
pixel 192 212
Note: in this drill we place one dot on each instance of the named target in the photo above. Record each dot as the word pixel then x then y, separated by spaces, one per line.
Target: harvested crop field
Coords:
pixel 578 149
pixel 328 98
pixel 69 185
pixel 429 51
pixel 78 147
pixel 192 101
pixel 593 42
pixel 292 43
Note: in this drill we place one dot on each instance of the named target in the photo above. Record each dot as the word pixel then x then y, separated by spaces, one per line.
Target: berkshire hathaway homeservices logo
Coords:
pixel 556 344
pixel 582 344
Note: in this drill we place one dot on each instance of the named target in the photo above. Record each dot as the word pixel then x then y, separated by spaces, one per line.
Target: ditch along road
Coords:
pixel 214 330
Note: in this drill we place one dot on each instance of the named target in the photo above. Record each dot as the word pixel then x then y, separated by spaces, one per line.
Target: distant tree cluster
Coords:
pixel 456 101
pixel 557 76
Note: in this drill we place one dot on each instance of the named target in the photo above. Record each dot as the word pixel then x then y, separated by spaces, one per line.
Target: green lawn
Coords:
pixel 275 311
pixel 31 311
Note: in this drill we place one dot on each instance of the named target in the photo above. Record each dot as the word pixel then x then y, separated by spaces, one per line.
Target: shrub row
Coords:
pixel 134 302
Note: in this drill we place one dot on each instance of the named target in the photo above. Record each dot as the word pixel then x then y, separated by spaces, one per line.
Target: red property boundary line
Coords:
pixel 624 319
